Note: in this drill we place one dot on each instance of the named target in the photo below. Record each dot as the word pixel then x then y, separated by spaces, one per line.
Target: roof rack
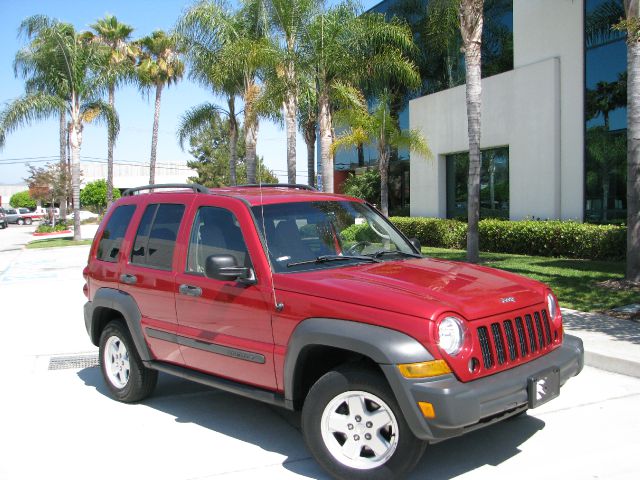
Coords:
pixel 192 186
pixel 299 186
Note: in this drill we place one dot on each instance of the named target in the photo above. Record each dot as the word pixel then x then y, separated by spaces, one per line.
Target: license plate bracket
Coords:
pixel 543 386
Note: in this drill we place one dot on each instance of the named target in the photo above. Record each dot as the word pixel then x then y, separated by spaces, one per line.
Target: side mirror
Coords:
pixel 416 244
pixel 225 267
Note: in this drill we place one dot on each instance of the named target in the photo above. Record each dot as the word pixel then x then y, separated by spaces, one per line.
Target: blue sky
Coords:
pixel 39 142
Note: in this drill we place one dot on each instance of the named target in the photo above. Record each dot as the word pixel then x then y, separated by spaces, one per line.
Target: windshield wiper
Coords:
pixel 381 253
pixel 334 258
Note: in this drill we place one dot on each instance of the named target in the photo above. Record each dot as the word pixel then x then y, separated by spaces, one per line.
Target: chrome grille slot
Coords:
pixel 522 339
pixel 498 342
pixel 541 341
pixel 511 340
pixel 487 356
pixel 531 333
pixel 547 326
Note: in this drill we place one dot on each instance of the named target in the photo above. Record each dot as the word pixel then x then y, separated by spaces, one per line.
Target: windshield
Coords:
pixel 319 235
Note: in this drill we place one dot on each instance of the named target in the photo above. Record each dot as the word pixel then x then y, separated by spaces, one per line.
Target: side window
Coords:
pixel 156 235
pixel 215 231
pixel 114 232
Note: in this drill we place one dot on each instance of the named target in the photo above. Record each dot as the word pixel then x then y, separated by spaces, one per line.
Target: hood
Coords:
pixel 420 287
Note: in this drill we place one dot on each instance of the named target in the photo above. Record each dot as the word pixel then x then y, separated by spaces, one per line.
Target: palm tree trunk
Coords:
pixel 290 110
pixel 154 137
pixel 471 29
pixel 251 140
pixel 63 162
pixel 310 140
pixel 633 154
pixel 75 139
pixel 110 142
pixel 383 165
pixel 233 141
pixel 326 140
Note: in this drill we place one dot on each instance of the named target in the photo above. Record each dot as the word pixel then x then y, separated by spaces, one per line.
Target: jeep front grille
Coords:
pixel 500 343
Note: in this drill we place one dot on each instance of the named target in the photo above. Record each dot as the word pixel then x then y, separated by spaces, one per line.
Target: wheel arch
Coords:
pixel 109 304
pixel 320 344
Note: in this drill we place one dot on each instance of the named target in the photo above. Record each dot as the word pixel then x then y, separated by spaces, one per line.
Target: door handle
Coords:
pixel 128 279
pixel 190 290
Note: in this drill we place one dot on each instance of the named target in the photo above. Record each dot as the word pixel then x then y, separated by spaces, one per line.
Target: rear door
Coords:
pixel 149 275
pixel 225 326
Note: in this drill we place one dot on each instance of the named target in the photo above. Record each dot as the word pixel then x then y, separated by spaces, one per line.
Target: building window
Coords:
pixel 494 184
pixel 605 113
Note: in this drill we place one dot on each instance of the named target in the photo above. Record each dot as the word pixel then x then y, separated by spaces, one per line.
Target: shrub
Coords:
pixel 359 233
pixel 48 228
pixel 526 237
pixel 22 200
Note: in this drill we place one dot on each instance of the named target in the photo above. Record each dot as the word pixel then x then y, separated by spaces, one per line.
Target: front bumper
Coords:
pixel 462 407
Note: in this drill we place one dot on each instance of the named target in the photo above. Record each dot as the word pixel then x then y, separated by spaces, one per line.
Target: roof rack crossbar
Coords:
pixel 192 186
pixel 299 186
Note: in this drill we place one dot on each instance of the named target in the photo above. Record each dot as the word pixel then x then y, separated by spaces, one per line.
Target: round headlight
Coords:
pixel 552 306
pixel 451 335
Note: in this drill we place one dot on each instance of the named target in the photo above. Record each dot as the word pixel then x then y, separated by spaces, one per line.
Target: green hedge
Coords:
pixel 527 237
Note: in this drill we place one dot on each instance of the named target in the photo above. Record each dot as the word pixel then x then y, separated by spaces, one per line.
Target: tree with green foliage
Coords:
pixel 49 184
pixel 115 67
pixel 73 63
pixel 211 148
pixel 160 66
pixel 22 200
pixel 365 185
pixel 381 129
pixel 230 51
pixel 94 194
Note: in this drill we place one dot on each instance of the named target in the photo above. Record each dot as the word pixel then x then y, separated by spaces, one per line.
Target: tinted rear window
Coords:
pixel 156 235
pixel 114 232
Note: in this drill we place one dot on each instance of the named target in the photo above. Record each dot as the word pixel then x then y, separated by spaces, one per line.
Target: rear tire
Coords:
pixel 355 429
pixel 28 221
pixel 20 221
pixel 122 369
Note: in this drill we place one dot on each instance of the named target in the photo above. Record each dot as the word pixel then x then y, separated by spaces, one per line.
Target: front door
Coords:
pixel 224 326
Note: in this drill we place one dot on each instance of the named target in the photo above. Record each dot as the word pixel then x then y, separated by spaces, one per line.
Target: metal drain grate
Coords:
pixel 73 361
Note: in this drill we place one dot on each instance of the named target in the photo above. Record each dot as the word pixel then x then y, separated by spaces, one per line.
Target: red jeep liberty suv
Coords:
pixel 316 302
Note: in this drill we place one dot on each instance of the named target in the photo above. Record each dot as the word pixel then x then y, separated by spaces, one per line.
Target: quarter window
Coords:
pixel 114 232
pixel 156 236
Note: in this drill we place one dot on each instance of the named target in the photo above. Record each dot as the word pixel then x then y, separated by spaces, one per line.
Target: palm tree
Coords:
pixel 308 122
pixel 379 128
pixel 32 64
pixel 291 19
pixel 471 19
pixel 74 62
pixel 632 26
pixel 231 50
pixel 349 50
pixel 116 66
pixel 160 65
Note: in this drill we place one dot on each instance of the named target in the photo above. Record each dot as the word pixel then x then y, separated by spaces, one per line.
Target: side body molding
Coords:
pixel 382 345
pixel 123 303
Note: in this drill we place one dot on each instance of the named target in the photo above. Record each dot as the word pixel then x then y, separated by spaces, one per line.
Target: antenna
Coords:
pixel 278 305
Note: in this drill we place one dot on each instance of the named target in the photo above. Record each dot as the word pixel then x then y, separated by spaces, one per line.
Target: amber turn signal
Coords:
pixel 433 368
pixel 427 409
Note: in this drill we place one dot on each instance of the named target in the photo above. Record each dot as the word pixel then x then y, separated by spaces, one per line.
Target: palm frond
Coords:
pixel 27 109
pixel 102 112
pixel 196 120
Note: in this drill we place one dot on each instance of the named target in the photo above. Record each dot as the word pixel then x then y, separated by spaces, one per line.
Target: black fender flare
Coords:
pixel 123 303
pixel 382 345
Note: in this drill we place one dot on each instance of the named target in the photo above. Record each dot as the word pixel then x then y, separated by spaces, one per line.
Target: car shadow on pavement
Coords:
pixel 278 430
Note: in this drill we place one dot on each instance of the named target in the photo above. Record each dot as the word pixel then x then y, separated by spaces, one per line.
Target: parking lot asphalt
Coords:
pixel 58 422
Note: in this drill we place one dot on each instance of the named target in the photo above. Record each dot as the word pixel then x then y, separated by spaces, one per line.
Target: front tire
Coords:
pixel 355 429
pixel 122 369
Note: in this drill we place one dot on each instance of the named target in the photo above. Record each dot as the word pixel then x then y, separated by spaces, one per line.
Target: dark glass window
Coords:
pixel 114 232
pixel 494 184
pixel 215 231
pixel 605 112
pixel 156 235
